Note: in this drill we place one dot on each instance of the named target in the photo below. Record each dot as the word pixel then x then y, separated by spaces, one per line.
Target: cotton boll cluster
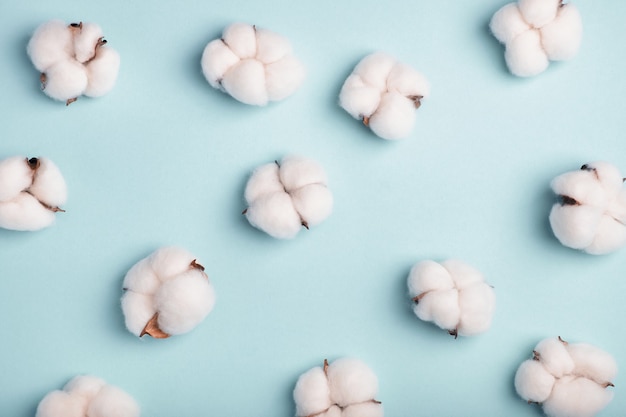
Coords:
pixel 536 32
pixel 453 295
pixel 253 65
pixel 345 388
pixel 568 379
pixel 73 60
pixel 384 94
pixel 283 197
pixel 31 192
pixel 167 293
pixel 591 212
pixel 88 396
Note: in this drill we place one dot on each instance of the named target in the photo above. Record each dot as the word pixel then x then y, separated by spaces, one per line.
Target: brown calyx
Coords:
pixel 417 100
pixel 42 80
pixel 454 332
pixel 76 27
pixel 366 121
pixel 608 384
pixel 565 200
pixel 417 298
pixel 34 164
pixel 152 329
pixel 563 341
pixel 70 101
pixel 536 355
pixel 196 265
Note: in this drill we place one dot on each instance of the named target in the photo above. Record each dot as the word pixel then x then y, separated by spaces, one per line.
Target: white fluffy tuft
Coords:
pixel 312 394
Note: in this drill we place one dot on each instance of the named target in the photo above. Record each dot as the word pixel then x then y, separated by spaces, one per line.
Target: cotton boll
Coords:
pixel 184 302
pixel 462 274
pixel 428 276
pixel 538 12
pixel 270 46
pixel 554 357
pixel 296 172
pixel 15 176
pixel 283 77
pixel 275 215
pixel 246 82
pixel 113 402
pixel 374 69
pixel 358 98
pixel 170 261
pixel 524 55
pixel 85 40
pixel 60 404
pixel 241 39
pixel 571 224
pixel 441 307
pixel 508 23
pixel 408 82
pixel 65 80
pixel 351 381
pixel 314 203
pixel 394 118
pixel 312 394
pixel 264 180
pixel 367 409
pixel 141 278
pixel 85 386
pixel 217 59
pixel 561 38
pixel 102 72
pixel 476 304
pixel 576 397
pixel 138 310
pixel 24 213
pixel 51 43
pixel 592 363
pixel 532 381
pixel 48 185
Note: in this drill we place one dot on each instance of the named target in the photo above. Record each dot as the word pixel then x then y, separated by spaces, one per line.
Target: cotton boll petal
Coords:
pixel 351 381
pixel 538 12
pixel 51 43
pixel 508 23
pixel 576 397
pixel 312 394
pixel 575 226
pixel 15 176
pixel 408 82
pixel 241 39
pixel 609 176
pixel 462 274
pixel 358 98
pixel 61 404
pixel 264 180
pixel 170 261
pixel 554 357
pixel 477 304
pixel 217 59
pixel 141 278
pixel 283 77
pixel 374 69
pixel 102 72
pixel 138 310
pixel 85 41
pixel 525 56
pixel 580 185
pixel 85 386
pixel 610 236
pixel 184 302
pixel 440 307
pixel 270 46
pixel 533 382
pixel 428 276
pixel 561 38
pixel 394 118
pixel 65 80
pixel 314 203
pixel 592 363
pixel 113 402
pixel 275 215
pixel 48 184
pixel 367 409
pixel 246 82
pixel 297 172
pixel 24 213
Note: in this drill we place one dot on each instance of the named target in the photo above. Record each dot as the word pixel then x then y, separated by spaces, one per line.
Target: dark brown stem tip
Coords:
pixel 565 200
pixel 366 120
pixel 78 25
pixel 536 355
pixel 196 265
pixel 377 402
pixel 33 163
pixel 609 384
pixel 245 211
pixel 454 332
pixel 57 210
pixel 305 224
pixel 70 101
pixel 326 366
pixel 562 341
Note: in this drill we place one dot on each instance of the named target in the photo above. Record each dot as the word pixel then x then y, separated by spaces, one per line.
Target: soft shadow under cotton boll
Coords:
pixel 345 388
pixel 567 379
pixel 285 196
pixel 453 295
pixel 384 93
pixel 536 32
pixel 168 293
pixel 590 214
pixel 87 396
pixel 252 65
pixel 31 192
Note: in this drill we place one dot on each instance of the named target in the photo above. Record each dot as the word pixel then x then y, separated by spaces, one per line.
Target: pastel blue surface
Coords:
pixel 163 160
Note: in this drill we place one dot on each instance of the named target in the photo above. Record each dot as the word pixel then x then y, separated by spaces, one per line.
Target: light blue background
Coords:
pixel 163 160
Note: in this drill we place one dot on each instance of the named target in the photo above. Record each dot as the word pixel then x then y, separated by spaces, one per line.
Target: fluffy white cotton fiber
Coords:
pixel 73 60
pixel 31 192
pixel 453 295
pixel 345 388
pixel 284 196
pixel 568 379
pixel 168 293
pixel 591 212
pixel 88 396
pixel 384 94
pixel 252 65
pixel 536 32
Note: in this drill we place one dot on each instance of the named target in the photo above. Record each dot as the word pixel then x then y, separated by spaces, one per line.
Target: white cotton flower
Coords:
pixel 591 212
pixel 284 196
pixel 536 32
pixel 252 65
pixel 73 60
pixel 31 192
pixel 384 94
pixel 345 388
pixel 88 396
pixel 167 293
pixel 453 295
pixel 567 379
